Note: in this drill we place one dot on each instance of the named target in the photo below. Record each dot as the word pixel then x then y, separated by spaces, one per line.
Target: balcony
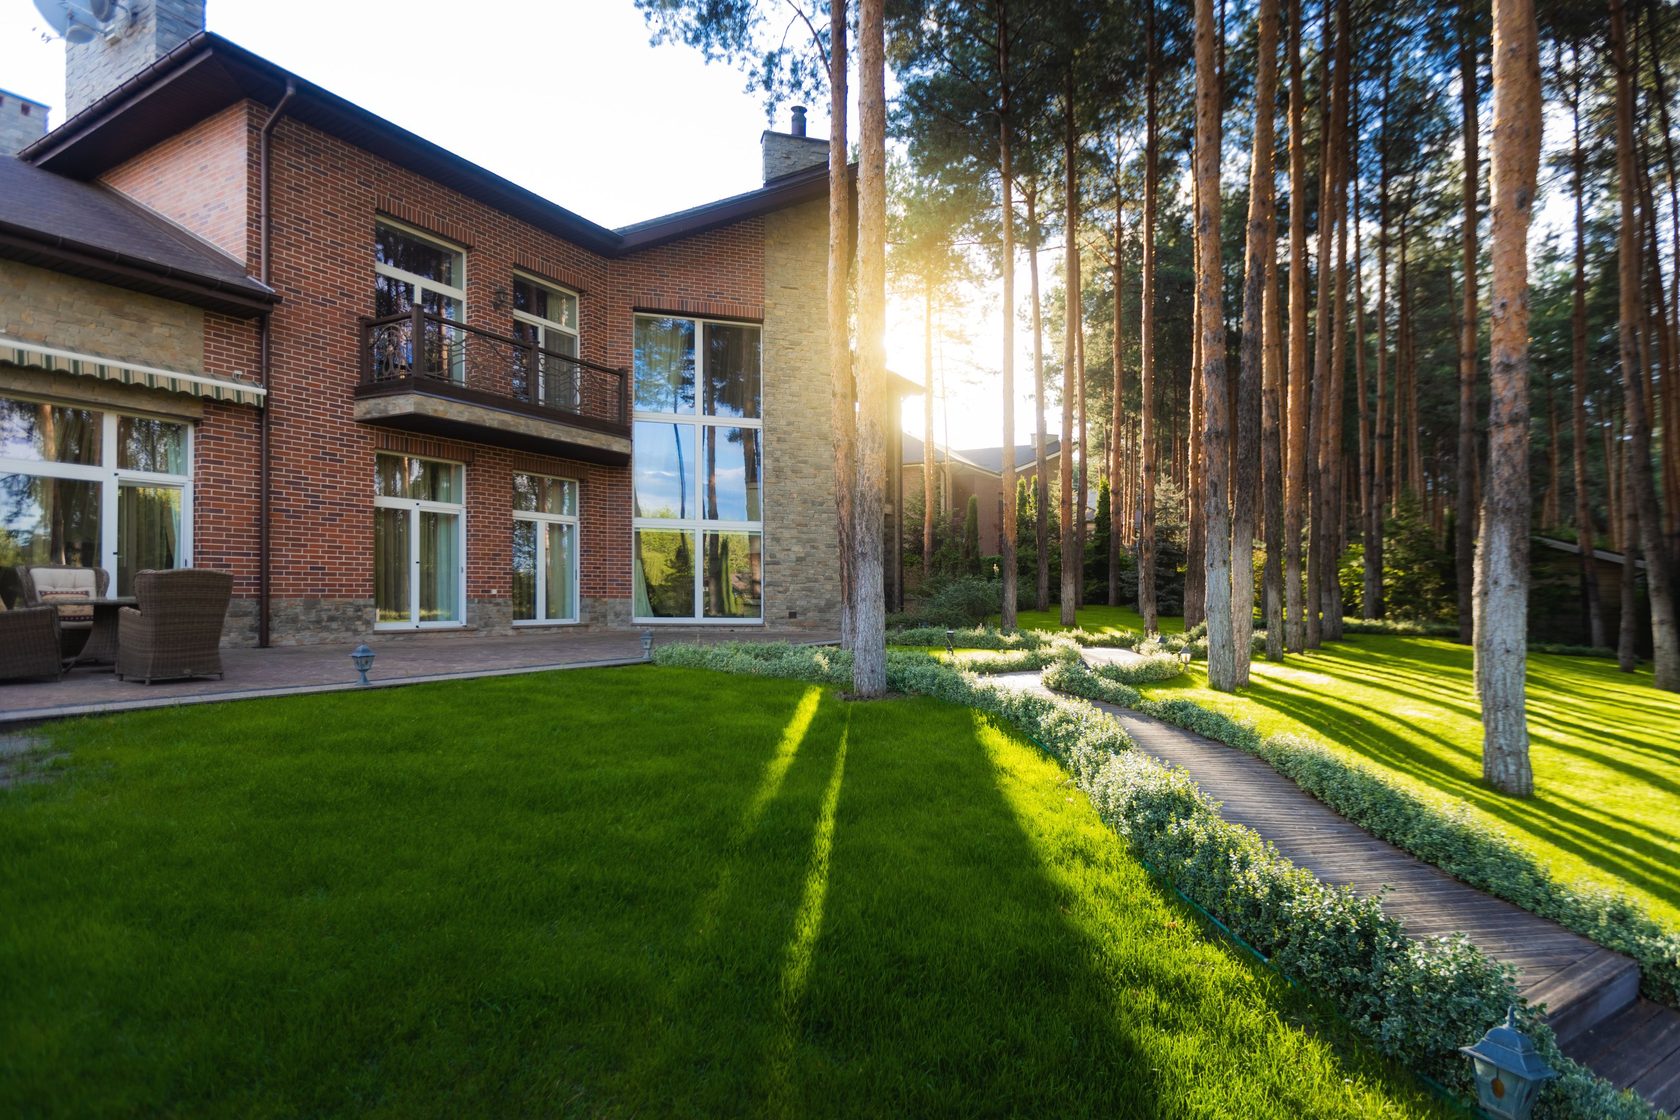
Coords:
pixel 434 376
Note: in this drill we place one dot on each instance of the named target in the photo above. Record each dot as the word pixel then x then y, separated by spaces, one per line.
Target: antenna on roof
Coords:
pixel 82 21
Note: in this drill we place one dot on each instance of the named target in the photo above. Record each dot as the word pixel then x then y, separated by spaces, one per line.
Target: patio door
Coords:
pixel 419 522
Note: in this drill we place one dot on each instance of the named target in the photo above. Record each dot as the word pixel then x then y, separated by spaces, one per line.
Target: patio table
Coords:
pixel 101 647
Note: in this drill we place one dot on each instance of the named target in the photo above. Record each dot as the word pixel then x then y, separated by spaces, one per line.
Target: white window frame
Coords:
pixel 111 478
pixel 698 526
pixel 458 294
pixel 543 326
pixel 415 507
pixel 544 519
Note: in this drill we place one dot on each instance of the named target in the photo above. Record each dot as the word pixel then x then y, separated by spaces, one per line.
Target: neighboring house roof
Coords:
pixel 1598 553
pixel 87 230
pixel 987 460
pixel 207 73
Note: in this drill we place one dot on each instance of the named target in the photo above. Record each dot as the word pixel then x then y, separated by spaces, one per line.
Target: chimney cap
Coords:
pixel 798 125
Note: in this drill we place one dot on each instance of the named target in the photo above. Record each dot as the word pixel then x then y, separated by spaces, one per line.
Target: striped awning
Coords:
pixel 33 355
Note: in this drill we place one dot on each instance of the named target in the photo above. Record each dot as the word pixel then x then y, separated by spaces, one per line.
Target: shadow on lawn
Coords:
pixel 1369 716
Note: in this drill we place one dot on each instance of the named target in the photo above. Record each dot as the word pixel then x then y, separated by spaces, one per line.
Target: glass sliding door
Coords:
pixel 545 549
pixel 148 531
pixel 419 566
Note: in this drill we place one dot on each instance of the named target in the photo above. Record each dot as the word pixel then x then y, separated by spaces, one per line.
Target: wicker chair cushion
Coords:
pixel 62 587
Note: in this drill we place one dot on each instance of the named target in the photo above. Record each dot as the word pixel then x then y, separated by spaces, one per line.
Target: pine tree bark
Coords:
pixel 1146 338
pixel 1464 554
pixel 1373 585
pixel 869 650
pixel 1361 380
pixel 1324 335
pixel 1082 477
pixel 1257 280
pixel 1271 452
pixel 1585 532
pixel 1041 480
pixel 1501 570
pixel 842 382
pixel 1335 490
pixel 1299 390
pixel 1006 167
pixel 1117 419
pixel 928 503
pixel 1216 434
pixel 1665 641
pixel 1070 366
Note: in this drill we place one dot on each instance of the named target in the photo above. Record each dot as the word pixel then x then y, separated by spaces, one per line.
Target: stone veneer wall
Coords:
pixel 70 313
pixel 801 548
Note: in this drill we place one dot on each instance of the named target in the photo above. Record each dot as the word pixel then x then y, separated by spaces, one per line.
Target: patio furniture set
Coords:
pixel 62 618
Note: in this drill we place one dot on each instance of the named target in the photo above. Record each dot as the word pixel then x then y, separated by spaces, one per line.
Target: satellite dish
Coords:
pixel 79 21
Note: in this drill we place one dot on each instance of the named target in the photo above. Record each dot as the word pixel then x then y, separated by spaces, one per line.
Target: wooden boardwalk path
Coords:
pixel 1591 994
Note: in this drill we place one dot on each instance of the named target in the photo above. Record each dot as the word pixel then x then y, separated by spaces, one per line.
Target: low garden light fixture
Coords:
pixel 950 638
pixel 1509 1071
pixel 1186 655
pixel 647 645
pixel 362 658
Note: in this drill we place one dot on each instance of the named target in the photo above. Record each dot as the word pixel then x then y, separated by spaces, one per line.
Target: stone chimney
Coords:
pixel 790 151
pixel 22 122
pixel 137 35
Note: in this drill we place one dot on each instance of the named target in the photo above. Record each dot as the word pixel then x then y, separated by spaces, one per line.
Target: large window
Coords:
pixel 699 469
pixel 545 549
pixel 419 555
pixel 93 488
pixel 546 316
pixel 411 270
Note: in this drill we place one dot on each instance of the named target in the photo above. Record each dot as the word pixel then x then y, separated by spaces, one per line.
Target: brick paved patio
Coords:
pixel 326 668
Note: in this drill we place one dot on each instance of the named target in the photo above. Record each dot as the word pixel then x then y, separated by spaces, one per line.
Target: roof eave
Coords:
pixel 120 270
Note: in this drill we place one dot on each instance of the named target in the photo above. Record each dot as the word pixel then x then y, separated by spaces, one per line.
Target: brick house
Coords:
pixel 436 400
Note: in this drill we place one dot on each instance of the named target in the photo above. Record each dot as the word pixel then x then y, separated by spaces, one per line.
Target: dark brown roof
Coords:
pixel 88 230
pixel 207 73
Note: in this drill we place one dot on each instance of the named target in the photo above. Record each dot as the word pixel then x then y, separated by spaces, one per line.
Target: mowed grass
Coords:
pixel 1605 747
pixel 615 892
pixel 1097 619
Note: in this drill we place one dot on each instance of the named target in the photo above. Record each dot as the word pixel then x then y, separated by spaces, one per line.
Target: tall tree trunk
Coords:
pixel 1464 554
pixel 928 503
pixel 1361 382
pixel 1271 451
pixel 1216 434
pixel 1335 528
pixel 1665 641
pixel 1070 365
pixel 1146 340
pixel 1373 588
pixel 1325 332
pixel 1295 499
pixel 842 382
pixel 1006 167
pixel 1195 548
pixel 1251 377
pixel 1117 488
pixel 1041 481
pixel 1501 571
pixel 1082 478
pixel 1585 534
pixel 869 650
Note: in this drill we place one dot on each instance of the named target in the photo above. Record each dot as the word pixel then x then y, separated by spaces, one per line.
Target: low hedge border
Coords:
pixel 1148 669
pixel 1467 849
pixel 1416 1001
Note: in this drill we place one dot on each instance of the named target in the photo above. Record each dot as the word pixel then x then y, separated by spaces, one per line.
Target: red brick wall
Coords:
pixel 326 197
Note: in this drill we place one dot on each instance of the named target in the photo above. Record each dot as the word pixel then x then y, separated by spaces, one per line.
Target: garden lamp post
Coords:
pixel 950 637
pixel 362 658
pixel 1509 1071
pixel 647 645
pixel 1185 656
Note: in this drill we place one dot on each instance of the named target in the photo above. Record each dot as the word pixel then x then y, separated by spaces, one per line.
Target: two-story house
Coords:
pixel 423 397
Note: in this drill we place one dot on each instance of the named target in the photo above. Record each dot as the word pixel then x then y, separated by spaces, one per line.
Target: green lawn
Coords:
pixel 1605 747
pixel 1097 619
pixel 614 892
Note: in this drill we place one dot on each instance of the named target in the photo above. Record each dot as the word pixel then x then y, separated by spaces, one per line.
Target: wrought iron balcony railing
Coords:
pixel 428 353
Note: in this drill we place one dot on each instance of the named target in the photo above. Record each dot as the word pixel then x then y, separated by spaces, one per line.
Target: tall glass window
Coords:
pixel 419 522
pixel 411 270
pixel 698 471
pixel 93 488
pixel 546 316
pixel 545 549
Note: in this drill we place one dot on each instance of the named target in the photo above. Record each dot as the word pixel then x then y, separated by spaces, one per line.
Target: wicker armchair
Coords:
pixel 177 631
pixel 29 643
pixel 60 585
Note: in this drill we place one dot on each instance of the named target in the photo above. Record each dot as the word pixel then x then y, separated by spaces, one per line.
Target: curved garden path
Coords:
pixel 1591 993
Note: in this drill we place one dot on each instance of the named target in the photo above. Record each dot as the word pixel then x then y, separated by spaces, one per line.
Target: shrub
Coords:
pixel 1150 668
pixel 962 601
pixel 1416 1001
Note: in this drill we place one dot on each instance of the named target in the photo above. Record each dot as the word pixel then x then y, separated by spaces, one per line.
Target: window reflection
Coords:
pixel 664 462
pixel 732 474
pixel 664 362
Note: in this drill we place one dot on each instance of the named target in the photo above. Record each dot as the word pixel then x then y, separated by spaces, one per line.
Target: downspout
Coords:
pixel 265 141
